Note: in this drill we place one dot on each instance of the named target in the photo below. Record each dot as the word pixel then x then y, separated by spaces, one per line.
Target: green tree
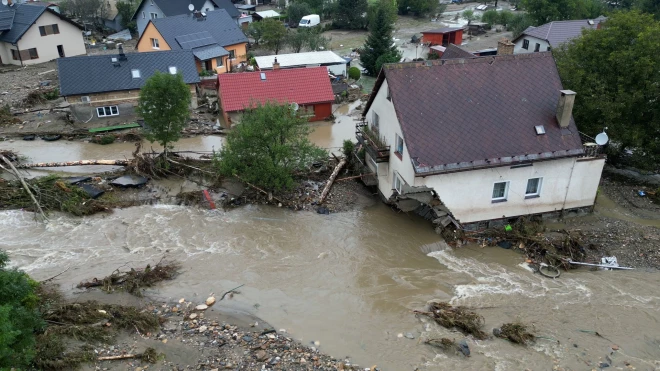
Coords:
pixel 126 9
pixel 470 16
pixel 519 23
pixel 350 14
pixel 299 39
pixel 354 73
pixel 615 72
pixel 268 146
pixel 491 17
pixel 505 17
pixel 274 34
pixel 649 6
pixel 19 317
pixel 544 11
pixel 315 6
pixel 316 40
pixel 164 105
pixel 379 43
pixel 390 7
pixel 256 31
pixel 296 11
pixel 420 8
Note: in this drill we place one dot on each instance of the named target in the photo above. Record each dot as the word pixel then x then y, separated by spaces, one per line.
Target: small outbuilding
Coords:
pixel 306 89
pixel 443 36
pixel 335 64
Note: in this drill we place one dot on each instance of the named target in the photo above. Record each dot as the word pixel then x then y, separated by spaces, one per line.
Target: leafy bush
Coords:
pixel 348 148
pixel 19 318
pixel 491 17
pixel 107 139
pixel 52 94
pixel 354 73
pixel 505 17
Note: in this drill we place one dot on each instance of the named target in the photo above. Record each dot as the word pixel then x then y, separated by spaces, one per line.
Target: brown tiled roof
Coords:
pixel 454 51
pixel 466 113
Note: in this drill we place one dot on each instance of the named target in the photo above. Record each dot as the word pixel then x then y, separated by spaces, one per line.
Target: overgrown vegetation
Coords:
pixel 461 318
pixel 354 73
pixel 268 146
pixel 19 316
pixel 126 9
pixel 350 14
pixel 615 72
pixel 421 8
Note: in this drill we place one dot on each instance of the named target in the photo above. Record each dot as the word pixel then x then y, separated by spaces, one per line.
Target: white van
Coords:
pixel 310 20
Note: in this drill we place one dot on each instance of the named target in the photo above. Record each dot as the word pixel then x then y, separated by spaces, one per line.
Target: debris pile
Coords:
pixel 516 332
pixel 461 318
pixel 134 281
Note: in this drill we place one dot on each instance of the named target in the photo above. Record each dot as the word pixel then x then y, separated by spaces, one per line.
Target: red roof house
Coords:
pixel 308 87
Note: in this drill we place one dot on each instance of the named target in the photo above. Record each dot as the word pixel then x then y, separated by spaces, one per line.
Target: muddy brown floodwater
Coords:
pixel 351 280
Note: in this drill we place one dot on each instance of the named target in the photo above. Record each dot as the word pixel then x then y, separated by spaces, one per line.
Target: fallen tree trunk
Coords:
pixel 76 163
pixel 25 186
pixel 331 180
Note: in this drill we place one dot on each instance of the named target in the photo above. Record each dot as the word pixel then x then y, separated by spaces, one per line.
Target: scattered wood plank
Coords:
pixel 331 180
pixel 25 186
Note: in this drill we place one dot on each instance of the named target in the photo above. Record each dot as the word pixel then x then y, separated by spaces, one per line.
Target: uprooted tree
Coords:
pixel 164 105
pixel 268 146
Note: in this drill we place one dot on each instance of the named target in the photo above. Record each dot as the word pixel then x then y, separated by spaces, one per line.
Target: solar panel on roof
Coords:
pixel 195 40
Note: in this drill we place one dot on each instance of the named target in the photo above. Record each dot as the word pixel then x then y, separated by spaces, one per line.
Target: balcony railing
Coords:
pixel 371 142
pixel 591 149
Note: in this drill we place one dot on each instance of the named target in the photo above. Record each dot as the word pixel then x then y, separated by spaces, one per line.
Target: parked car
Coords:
pixel 310 20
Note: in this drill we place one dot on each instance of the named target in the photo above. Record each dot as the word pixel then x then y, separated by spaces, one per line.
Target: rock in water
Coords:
pixel 409 335
pixel 497 331
pixel 210 301
pixel 192 316
pixel 201 307
pixel 464 348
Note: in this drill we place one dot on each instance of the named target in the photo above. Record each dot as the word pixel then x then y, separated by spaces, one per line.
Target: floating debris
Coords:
pixel 461 318
pixel 516 332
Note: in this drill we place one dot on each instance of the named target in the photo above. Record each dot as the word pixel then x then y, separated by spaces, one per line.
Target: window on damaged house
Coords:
pixel 525 44
pixel 398 183
pixel 107 111
pixel 15 55
pixel 232 54
pixel 51 29
pixel 537 47
pixel 155 44
pixel 374 120
pixel 398 150
pixel 533 187
pixel 500 191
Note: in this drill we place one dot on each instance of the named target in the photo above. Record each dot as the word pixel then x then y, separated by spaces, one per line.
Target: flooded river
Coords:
pixel 348 280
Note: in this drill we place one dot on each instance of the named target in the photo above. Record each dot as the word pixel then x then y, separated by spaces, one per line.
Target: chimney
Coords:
pixel 565 107
pixel 122 56
pixel 276 64
pixel 505 47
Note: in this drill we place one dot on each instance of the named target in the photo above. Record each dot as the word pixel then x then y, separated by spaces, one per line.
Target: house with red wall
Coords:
pixel 309 88
pixel 443 36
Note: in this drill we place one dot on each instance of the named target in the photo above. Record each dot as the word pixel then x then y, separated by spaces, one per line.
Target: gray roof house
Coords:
pixel 215 39
pixel 104 86
pixel 34 33
pixel 156 9
pixel 553 34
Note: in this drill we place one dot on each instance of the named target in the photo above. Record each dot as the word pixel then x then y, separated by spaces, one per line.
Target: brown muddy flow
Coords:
pixel 351 281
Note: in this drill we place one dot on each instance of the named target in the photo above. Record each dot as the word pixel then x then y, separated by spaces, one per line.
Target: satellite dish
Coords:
pixel 295 106
pixel 190 7
pixel 5 2
pixel 602 139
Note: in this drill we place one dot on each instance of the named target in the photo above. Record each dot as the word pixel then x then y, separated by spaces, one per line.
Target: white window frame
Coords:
pixel 506 191
pixel 398 139
pixel 114 111
pixel 154 43
pixel 538 188
pixel 153 15
pixel 375 120
pixel 172 70
pixel 398 183
pixel 135 74
pixel 85 99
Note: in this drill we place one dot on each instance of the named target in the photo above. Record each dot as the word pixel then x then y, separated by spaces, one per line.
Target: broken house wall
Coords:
pixel 567 183
pixel 70 37
pixel 125 100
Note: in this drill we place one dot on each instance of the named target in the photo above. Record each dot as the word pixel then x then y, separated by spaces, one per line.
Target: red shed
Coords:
pixel 308 87
pixel 443 36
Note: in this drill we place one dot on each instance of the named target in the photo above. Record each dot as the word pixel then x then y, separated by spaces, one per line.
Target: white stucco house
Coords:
pixel 472 142
pixel 551 35
pixel 32 33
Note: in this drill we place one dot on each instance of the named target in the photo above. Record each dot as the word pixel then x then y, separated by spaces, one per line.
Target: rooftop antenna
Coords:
pixel 295 106
pixel 602 138
pixel 5 2
pixel 191 7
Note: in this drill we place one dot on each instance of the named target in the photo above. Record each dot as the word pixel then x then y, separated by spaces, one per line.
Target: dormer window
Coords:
pixel 135 73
